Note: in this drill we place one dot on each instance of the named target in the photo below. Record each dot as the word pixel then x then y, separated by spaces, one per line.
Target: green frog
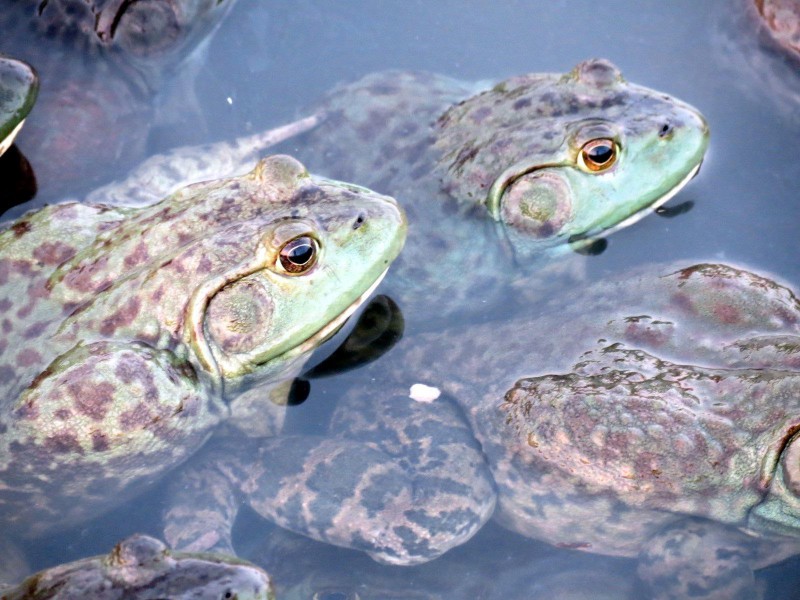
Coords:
pixel 143 567
pixel 497 179
pixel 19 86
pixel 130 333
pixel 654 416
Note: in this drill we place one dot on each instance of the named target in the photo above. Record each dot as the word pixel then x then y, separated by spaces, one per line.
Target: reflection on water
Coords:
pixel 268 64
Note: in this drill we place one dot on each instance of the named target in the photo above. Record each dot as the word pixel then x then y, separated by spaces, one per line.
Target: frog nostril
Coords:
pixel 665 130
pixel 359 221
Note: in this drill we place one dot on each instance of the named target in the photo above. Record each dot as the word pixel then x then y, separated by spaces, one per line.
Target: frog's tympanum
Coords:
pixel 654 416
pixel 142 567
pixel 129 333
pixel 19 85
pixel 497 180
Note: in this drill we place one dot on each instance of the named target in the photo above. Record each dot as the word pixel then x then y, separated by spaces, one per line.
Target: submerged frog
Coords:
pixel 536 164
pixel 653 416
pixel 128 334
pixel 102 64
pixel 143 567
pixel 19 86
pixel 495 565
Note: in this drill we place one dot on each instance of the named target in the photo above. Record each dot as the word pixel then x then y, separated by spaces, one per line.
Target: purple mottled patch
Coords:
pixel 53 253
pixel 122 317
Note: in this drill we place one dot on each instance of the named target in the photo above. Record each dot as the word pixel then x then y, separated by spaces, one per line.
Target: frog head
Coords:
pixel 560 158
pixel 19 85
pixel 310 260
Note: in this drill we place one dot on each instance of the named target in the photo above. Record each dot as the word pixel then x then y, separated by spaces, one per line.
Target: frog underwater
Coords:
pixel 129 334
pixel 103 64
pixel 516 568
pixel 654 417
pixel 496 180
pixel 143 567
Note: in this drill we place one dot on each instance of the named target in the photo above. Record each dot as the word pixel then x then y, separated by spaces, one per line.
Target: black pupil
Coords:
pixel 301 252
pixel 601 153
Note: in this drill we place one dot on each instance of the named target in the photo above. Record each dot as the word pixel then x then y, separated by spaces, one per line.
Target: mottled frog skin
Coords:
pixel 496 181
pixel 653 416
pixel 514 568
pixel 128 334
pixel 143 567
pixel 19 86
pixel 102 62
pixel 508 169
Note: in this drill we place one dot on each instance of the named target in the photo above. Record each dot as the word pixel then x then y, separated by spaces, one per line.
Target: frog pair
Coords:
pixel 508 176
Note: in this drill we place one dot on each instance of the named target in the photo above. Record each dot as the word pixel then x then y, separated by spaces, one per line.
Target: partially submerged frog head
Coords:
pixel 315 256
pixel 140 29
pixel 557 158
pixel 19 85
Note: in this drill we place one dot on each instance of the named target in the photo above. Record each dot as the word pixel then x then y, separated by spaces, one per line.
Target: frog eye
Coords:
pixel 299 255
pixel 598 155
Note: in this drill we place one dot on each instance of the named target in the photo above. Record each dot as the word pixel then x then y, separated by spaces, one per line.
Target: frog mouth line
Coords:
pixel 652 207
pixel 330 329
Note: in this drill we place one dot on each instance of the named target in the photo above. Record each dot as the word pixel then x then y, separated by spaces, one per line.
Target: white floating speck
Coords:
pixel 424 393
pixel 230 100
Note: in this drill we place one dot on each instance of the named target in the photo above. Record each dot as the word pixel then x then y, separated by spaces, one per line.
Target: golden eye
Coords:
pixel 299 254
pixel 598 155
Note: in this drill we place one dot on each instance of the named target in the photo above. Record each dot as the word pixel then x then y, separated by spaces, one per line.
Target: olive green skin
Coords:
pixel 19 86
pixel 143 567
pixel 463 159
pixel 129 334
pixel 490 176
pixel 653 416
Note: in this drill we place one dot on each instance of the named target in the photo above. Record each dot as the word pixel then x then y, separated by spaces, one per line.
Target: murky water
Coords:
pixel 269 61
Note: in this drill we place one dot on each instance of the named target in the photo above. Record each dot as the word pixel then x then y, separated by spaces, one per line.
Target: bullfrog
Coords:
pixel 142 567
pixel 102 64
pixel 495 565
pixel 654 416
pixel 130 333
pixel 19 86
pixel 499 179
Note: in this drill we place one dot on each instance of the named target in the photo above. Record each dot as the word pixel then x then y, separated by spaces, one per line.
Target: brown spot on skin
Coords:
pixel 91 399
pixel 25 311
pixel 21 228
pixel 205 265
pixel 724 313
pixel 63 443
pixel 37 381
pixel 136 418
pixel 53 253
pixel 521 103
pixel 63 414
pixel 138 256
pixel 38 289
pixel 35 330
pixel 81 277
pixel 27 411
pixel 122 317
pixel 28 357
pixel 100 442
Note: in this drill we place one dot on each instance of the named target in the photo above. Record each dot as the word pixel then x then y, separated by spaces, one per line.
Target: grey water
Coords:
pixel 269 61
